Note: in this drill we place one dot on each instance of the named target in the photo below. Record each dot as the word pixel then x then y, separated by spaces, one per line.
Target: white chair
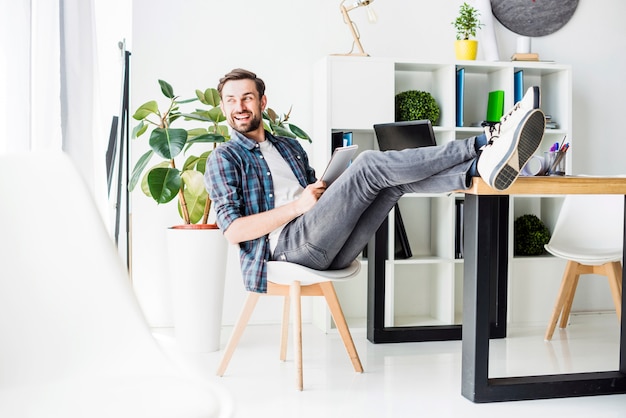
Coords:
pixel 74 340
pixel 293 281
pixel 589 235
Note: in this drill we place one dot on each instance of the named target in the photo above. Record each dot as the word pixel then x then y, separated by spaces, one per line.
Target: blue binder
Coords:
pixel 518 86
pixel 460 86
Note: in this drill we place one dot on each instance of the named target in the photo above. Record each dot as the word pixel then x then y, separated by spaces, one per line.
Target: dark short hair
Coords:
pixel 241 74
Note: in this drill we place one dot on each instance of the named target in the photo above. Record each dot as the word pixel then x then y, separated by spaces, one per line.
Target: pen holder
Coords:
pixel 554 163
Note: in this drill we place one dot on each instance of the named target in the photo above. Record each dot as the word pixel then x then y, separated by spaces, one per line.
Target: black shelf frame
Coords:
pixel 377 332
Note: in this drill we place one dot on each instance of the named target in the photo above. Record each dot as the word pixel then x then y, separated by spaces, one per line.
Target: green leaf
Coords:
pixel 196 163
pixel 139 129
pixel 201 115
pixel 224 131
pixel 139 167
pixel 144 181
pixel 299 132
pixel 212 97
pixel 206 138
pixel 168 143
pixel 281 131
pixel 195 194
pixel 164 184
pixel 167 89
pixel 146 109
pixel 216 115
pixel 271 115
pixel 190 163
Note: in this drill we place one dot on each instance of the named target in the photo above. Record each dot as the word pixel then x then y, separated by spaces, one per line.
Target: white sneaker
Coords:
pixel 511 144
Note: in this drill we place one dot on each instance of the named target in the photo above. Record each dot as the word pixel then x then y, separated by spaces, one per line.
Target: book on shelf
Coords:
pixel 336 140
pixel 458 235
pixel 518 86
pixel 551 124
pixel 347 139
pixel 460 87
pixel 495 105
pixel 525 56
pixel 401 245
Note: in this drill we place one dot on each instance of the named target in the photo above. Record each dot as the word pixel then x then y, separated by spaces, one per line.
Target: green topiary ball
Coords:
pixel 530 235
pixel 416 105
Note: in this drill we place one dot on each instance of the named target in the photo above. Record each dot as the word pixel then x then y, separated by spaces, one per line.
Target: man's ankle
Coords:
pixel 480 141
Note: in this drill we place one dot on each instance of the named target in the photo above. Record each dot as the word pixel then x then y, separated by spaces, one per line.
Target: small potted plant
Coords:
pixel 466 24
pixel 416 105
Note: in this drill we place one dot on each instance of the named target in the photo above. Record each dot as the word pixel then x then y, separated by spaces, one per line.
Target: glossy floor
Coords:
pixel 406 379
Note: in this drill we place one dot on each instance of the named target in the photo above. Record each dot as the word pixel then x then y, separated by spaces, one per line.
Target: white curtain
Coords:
pixel 50 84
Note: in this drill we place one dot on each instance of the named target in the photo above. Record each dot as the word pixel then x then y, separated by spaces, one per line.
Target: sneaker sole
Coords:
pixel 529 138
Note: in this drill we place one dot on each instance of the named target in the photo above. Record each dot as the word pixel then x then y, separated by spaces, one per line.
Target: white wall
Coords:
pixel 192 43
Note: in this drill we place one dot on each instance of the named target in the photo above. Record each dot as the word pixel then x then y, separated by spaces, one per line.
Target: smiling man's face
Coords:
pixel 243 108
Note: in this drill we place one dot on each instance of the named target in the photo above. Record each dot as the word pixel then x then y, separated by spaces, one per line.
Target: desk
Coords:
pixel 486 230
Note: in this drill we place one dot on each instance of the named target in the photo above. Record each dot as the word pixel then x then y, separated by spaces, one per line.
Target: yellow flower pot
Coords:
pixel 466 49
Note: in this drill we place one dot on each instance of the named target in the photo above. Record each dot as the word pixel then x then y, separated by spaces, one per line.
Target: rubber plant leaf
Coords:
pixel 195 194
pixel 168 142
pixel 164 184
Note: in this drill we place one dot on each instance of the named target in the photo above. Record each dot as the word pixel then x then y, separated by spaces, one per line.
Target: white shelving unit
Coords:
pixel 353 94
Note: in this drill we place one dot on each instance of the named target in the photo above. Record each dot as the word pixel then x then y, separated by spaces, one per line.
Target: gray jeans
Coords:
pixel 333 233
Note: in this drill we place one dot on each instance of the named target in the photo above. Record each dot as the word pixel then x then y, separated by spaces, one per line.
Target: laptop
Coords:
pixel 402 135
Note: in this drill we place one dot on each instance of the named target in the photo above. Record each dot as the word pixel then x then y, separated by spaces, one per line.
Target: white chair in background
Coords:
pixel 74 340
pixel 293 281
pixel 589 235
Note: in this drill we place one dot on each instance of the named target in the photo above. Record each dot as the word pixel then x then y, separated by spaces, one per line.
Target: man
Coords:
pixel 268 200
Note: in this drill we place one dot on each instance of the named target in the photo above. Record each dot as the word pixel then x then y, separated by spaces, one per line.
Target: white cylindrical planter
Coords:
pixel 197 260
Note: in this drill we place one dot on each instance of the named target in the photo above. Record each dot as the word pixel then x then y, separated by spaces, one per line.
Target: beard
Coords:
pixel 248 126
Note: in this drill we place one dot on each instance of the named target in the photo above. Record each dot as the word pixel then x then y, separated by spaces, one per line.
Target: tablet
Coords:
pixel 339 161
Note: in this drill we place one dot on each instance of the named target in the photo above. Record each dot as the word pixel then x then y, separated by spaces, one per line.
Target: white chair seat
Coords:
pixel 283 272
pixel 588 256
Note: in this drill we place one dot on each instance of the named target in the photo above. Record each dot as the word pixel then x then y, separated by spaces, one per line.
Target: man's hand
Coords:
pixel 310 196
pixel 255 226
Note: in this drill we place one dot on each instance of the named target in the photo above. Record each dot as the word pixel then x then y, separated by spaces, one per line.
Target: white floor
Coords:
pixel 405 379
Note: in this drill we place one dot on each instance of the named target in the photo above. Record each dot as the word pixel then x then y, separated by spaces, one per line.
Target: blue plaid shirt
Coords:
pixel 237 178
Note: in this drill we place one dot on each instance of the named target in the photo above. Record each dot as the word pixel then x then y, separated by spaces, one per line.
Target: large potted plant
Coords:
pixel 178 176
pixel 466 24
pixel 197 286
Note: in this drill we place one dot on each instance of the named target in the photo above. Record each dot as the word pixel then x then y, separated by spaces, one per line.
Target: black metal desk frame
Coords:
pixel 486 235
pixel 484 298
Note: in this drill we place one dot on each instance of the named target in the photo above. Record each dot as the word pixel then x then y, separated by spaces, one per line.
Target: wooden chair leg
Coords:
pixel 240 326
pixel 614 273
pixel 342 326
pixel 564 291
pixel 295 295
pixel 567 307
pixel 284 329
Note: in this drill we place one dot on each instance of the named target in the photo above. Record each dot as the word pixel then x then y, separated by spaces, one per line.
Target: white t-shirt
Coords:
pixel 286 185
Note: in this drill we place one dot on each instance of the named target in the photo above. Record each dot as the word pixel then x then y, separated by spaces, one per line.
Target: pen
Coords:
pixel 559 156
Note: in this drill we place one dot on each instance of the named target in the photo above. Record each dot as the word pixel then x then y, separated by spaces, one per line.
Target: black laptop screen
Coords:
pixel 401 135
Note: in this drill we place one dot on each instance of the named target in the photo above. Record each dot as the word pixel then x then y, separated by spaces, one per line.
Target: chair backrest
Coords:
pixel 74 339
pixel 60 274
pixel 590 224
